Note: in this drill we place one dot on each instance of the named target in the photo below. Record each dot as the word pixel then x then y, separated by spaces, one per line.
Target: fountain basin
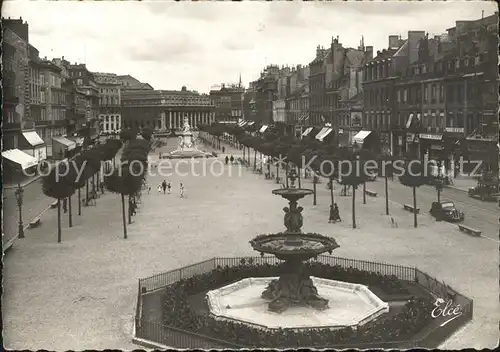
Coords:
pixel 293 193
pixel 289 246
pixel 349 305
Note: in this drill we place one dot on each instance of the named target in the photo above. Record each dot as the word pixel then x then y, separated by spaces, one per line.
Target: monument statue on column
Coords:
pixel 186 148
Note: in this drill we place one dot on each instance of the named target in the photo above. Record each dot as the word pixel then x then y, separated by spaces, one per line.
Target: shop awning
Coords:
pixel 250 123
pixel 360 136
pixel 323 133
pixel 33 138
pixel 69 145
pixel 19 157
pixel 306 132
pixel 242 123
pixel 263 129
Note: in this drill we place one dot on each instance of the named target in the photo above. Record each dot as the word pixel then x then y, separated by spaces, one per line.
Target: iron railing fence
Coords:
pixel 171 336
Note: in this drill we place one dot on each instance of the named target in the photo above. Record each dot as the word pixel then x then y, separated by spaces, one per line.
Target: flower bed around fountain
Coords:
pixel 177 311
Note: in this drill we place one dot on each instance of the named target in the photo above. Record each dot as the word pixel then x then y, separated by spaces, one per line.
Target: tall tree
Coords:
pixel 58 184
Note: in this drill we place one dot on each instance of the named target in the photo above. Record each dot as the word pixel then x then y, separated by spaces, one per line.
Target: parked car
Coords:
pixel 446 211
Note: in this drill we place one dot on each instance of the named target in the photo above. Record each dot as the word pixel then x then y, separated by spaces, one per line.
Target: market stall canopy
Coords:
pixel 250 123
pixel 33 138
pixel 306 132
pixel 263 129
pixel 360 136
pixel 323 133
pixel 19 157
pixel 242 123
pixel 66 143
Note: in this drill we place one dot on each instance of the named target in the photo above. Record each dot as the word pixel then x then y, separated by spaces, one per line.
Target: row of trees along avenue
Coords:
pixel 321 158
pixel 70 176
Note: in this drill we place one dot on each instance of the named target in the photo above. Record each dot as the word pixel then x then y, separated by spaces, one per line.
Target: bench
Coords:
pixel 410 208
pixel 35 222
pixel 370 193
pixel 54 204
pixel 469 230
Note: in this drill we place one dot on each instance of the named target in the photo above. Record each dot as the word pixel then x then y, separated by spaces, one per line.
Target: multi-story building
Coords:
pixel 109 102
pixel 165 109
pixel 228 101
pixel 317 85
pixel 19 127
pixel 297 99
pixel 84 80
pixel 265 93
pixel 380 76
pixel 52 121
pixel 279 101
pixel 128 82
pixel 344 79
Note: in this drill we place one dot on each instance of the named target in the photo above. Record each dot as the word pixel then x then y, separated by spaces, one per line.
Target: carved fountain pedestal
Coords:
pixel 294 286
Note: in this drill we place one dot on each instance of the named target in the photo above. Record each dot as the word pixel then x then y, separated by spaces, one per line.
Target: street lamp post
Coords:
pixel 19 197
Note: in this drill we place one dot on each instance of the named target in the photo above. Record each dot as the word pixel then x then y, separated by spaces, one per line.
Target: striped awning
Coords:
pixel 322 135
pixel 19 157
pixel 306 132
pixel 242 123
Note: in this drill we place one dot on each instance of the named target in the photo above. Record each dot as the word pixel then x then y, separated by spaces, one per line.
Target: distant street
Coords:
pixel 480 215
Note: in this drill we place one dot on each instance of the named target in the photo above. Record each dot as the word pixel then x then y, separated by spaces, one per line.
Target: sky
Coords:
pixel 199 44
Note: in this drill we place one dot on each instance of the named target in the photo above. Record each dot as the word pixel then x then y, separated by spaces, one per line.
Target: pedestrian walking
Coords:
pixel 158 189
pixel 332 215
pixel 164 186
pixel 182 190
pixel 149 189
pixel 102 187
pixel 226 159
pixel 169 186
pixel 231 159
pixel 336 213
pixel 223 150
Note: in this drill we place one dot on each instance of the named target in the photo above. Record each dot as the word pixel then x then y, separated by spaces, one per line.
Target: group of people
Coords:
pixel 166 187
pixel 229 159
pixel 334 214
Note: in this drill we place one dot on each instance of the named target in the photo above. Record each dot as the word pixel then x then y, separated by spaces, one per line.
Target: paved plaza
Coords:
pixel 81 293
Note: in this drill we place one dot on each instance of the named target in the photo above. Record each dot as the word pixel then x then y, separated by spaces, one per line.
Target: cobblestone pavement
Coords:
pixel 81 293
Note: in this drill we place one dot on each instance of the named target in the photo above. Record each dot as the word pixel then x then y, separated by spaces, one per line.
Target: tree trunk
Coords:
pixel 331 191
pixel 439 196
pixel 123 216
pixel 70 216
pixel 87 191
pixel 314 189
pixel 415 224
pixel 254 159
pixel 269 165
pixel 277 171
pixel 244 154
pixel 353 207
pixel 364 192
pixel 386 196
pixel 79 202
pixel 58 221
pixel 129 213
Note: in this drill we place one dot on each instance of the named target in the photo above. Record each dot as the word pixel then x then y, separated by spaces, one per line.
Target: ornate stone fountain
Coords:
pixel 186 147
pixel 294 286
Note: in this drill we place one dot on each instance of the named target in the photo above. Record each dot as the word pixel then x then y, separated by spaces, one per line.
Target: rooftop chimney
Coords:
pixel 393 41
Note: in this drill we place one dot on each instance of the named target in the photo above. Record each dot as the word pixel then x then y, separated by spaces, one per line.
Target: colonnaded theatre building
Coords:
pixel 165 109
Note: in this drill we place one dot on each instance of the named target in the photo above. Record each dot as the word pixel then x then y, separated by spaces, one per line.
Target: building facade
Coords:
pixel 228 101
pixel 109 102
pixel 165 110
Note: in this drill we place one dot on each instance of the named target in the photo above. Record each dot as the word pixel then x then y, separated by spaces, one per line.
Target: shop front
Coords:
pixel 62 148
pixel 31 143
pixel 454 144
pixel 431 146
pixel 412 144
